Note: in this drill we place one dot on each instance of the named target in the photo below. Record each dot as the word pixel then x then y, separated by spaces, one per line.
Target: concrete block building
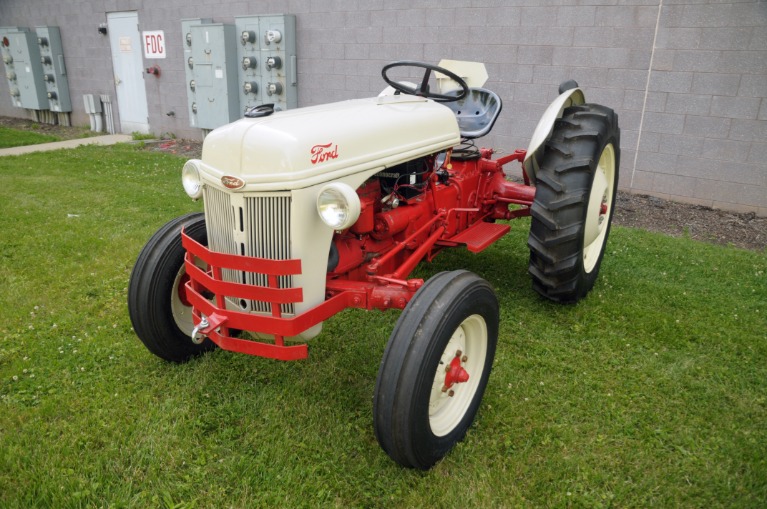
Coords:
pixel 688 78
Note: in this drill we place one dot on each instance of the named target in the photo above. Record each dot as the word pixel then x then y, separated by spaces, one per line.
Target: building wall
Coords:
pixel 687 77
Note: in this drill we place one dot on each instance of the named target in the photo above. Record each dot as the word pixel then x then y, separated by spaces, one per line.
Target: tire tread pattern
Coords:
pixel 559 210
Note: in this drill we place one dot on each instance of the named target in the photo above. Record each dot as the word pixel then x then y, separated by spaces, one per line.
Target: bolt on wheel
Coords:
pixel 435 368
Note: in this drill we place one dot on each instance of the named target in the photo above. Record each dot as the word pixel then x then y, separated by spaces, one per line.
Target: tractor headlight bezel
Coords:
pixel 191 180
pixel 338 205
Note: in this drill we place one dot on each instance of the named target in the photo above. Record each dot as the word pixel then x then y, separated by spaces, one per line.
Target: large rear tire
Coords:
pixel 435 368
pixel 576 186
pixel 159 312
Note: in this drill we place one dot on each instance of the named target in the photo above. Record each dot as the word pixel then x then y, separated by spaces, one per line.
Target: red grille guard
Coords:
pixel 342 294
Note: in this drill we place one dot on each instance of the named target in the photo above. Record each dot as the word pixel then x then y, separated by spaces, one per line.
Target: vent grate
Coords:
pixel 260 228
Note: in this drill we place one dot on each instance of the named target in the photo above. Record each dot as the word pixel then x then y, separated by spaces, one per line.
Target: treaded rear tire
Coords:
pixel 153 292
pixel 564 263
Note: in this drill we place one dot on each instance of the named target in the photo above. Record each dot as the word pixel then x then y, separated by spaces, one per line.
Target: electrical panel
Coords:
pixel 54 70
pixel 230 69
pixel 24 70
pixel 10 69
pixel 214 73
pixel 266 52
pixel 191 88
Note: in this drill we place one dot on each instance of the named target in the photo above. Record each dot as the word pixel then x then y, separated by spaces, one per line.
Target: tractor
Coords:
pixel 314 210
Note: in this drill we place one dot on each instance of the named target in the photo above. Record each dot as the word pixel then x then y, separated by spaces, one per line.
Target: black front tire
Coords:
pixel 161 318
pixel 576 186
pixel 415 421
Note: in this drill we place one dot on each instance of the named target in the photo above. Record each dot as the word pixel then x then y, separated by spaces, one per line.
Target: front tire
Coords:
pixel 161 317
pixel 576 186
pixel 424 403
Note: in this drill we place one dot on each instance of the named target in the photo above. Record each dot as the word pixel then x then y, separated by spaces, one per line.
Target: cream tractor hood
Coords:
pixel 306 146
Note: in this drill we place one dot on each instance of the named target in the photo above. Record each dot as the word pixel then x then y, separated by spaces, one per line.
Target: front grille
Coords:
pixel 259 227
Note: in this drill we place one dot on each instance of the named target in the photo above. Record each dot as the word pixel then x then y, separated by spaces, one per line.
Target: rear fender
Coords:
pixel 545 126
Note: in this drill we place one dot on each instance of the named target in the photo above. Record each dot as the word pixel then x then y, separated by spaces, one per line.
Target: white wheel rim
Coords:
pixel 445 411
pixel 182 313
pixel 598 211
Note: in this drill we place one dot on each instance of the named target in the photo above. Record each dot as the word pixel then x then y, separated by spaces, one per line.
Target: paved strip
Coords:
pixel 109 139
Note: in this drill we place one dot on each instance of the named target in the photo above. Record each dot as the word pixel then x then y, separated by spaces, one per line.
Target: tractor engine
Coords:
pixel 406 180
pixel 395 204
pixel 392 206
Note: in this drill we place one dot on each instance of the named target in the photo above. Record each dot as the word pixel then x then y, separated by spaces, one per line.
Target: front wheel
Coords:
pixel 435 368
pixel 159 311
pixel 576 186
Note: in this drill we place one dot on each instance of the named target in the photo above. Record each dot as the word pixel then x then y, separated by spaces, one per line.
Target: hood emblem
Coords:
pixel 322 153
pixel 232 182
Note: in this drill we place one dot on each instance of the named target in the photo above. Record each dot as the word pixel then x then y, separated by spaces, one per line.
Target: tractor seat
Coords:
pixel 477 112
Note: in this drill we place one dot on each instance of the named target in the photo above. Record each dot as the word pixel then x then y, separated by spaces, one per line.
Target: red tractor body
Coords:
pixel 454 205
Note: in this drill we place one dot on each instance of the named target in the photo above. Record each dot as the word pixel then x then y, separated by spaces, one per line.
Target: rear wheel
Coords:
pixel 159 311
pixel 435 368
pixel 576 186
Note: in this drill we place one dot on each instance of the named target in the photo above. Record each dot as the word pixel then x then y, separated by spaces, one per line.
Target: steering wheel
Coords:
pixel 422 90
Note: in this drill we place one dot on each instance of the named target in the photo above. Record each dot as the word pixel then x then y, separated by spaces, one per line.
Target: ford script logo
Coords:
pixel 232 182
pixel 322 153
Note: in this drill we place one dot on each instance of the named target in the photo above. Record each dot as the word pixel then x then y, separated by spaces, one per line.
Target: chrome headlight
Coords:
pixel 190 178
pixel 338 206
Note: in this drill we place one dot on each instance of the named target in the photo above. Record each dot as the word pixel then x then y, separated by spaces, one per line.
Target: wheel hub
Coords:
pixel 458 375
pixel 455 373
pixel 598 208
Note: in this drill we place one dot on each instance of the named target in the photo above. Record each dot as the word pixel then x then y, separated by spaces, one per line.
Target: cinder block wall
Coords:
pixel 688 77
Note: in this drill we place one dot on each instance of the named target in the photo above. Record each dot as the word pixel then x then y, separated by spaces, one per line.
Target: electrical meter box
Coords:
pixel 191 86
pixel 250 64
pixel 23 58
pixel 266 52
pixel 214 72
pixel 54 70
pixel 10 69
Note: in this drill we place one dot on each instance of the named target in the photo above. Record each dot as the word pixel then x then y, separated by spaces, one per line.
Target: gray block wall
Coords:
pixel 688 77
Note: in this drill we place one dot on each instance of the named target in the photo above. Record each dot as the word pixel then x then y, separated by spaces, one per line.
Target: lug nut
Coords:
pixel 451 393
pixel 464 358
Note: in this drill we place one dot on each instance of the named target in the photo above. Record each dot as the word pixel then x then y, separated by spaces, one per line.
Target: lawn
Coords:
pixel 651 392
pixel 18 138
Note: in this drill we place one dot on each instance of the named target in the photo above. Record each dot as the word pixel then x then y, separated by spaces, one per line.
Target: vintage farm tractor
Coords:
pixel 315 210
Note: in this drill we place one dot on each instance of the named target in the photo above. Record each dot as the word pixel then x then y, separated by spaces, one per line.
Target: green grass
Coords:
pixel 137 136
pixel 651 392
pixel 18 138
